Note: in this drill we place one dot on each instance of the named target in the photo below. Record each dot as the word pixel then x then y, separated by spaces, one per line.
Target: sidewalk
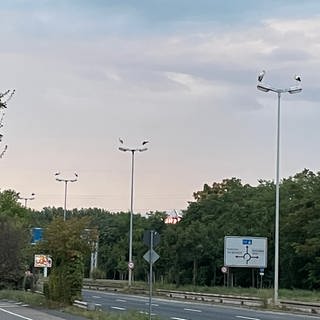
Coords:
pixel 18 311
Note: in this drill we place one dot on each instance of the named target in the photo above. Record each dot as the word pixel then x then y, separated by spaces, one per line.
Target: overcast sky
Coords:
pixel 179 73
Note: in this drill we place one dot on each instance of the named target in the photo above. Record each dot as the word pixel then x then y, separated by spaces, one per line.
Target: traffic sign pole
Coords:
pixel 150 276
pixel 151 238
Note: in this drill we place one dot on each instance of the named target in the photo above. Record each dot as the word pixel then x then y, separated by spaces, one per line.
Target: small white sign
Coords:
pixel 250 252
pixel 224 269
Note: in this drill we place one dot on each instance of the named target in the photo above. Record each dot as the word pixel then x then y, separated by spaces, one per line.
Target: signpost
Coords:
pixel 151 238
pixel 248 252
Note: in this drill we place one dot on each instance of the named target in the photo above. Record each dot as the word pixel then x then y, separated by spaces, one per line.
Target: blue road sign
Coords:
pixel 36 235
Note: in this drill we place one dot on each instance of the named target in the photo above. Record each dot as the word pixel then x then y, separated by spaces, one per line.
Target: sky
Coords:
pixel 181 74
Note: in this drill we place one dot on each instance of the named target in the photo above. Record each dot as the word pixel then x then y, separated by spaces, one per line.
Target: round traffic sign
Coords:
pixel 224 269
pixel 131 265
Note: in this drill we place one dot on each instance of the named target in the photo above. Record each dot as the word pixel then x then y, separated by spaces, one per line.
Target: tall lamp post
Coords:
pixel 278 91
pixel 26 198
pixel 133 151
pixel 65 190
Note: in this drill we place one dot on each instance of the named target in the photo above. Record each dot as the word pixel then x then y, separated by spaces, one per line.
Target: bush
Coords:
pixel 98 274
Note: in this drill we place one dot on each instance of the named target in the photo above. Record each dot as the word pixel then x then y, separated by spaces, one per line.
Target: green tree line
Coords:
pixel 191 251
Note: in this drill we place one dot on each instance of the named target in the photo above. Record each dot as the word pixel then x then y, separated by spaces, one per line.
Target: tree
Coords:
pixel 67 243
pixel 4 98
pixel 12 264
pixel 14 239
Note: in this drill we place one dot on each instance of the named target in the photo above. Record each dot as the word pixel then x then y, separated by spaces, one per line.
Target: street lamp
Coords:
pixel 278 91
pixel 124 149
pixel 65 190
pixel 26 198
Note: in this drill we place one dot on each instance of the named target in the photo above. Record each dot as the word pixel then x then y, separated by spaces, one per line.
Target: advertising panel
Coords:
pixel 42 261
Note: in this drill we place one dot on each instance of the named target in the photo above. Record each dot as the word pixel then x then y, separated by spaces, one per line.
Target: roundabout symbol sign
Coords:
pixel 250 252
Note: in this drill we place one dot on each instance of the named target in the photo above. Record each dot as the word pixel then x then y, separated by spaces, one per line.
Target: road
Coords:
pixel 18 311
pixel 180 310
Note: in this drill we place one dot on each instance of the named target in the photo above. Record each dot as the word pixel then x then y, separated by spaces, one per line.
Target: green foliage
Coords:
pixel 65 282
pixel 24 297
pixel 98 274
pixel 10 207
pixel 98 315
pixel 14 239
pixel 191 251
pixel 67 243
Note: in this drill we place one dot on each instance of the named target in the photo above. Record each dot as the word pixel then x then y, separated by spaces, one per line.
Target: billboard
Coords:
pixel 42 261
pixel 250 252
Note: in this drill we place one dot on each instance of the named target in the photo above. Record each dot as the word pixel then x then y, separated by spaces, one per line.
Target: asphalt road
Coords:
pixel 180 310
pixel 18 311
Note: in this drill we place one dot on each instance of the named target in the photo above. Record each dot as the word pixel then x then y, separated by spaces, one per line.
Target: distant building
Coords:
pixel 173 217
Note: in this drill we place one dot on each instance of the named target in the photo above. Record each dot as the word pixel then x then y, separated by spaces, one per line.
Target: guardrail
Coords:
pixel 308 307
pixel 305 307
pixel 87 305
pixel 214 298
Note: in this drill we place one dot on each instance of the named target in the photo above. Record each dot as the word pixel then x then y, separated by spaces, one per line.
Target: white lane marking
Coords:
pixel 15 314
pixel 192 310
pixel 174 318
pixel 118 308
pixel 153 304
pixel 121 300
pixel 96 297
pixel 146 312
pixel 242 317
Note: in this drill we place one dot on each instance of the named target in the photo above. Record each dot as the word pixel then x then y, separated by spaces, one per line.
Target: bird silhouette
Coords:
pixel 297 78
pixel 261 75
pixel 121 141
pixel 145 142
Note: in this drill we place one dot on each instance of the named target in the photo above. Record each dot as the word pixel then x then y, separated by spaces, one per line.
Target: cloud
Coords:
pixel 192 92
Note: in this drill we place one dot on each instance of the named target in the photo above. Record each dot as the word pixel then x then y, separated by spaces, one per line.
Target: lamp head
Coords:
pixel 263 88
pixel 295 89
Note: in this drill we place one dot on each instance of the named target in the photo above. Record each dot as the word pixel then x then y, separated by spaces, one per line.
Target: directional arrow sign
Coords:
pixel 151 254
pixel 250 252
